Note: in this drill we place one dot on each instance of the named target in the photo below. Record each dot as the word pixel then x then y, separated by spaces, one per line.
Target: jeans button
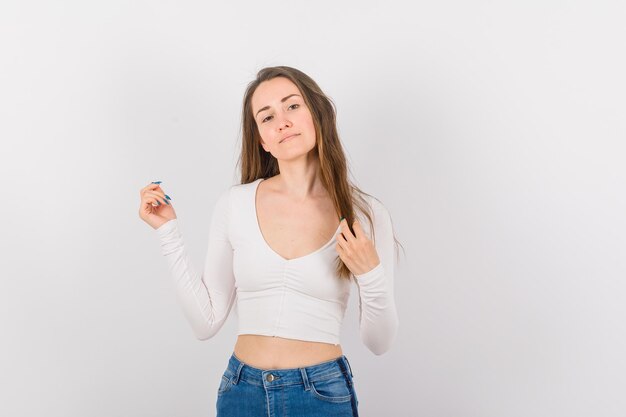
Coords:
pixel 269 378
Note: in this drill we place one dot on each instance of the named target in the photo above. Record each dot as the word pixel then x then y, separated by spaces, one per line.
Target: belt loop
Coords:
pixel 305 379
pixel 238 373
pixel 349 367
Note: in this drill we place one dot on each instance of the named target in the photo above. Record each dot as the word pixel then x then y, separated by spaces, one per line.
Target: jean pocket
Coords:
pixel 225 384
pixel 334 390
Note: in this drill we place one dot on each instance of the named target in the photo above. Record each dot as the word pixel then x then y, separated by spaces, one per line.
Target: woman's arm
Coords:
pixel 378 317
pixel 206 299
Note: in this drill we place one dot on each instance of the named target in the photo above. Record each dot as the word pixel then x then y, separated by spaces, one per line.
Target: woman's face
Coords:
pixel 279 111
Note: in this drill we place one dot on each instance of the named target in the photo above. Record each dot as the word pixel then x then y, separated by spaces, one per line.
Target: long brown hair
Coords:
pixel 256 163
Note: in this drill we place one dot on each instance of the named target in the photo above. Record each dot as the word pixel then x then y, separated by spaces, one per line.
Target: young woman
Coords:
pixel 286 244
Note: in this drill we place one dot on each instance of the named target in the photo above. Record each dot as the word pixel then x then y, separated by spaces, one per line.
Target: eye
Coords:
pixel 263 121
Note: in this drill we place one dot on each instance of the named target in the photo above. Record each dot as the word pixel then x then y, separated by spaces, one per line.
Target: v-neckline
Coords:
pixel 264 242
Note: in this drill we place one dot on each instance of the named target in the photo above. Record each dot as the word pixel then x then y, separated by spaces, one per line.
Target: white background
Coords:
pixel 493 132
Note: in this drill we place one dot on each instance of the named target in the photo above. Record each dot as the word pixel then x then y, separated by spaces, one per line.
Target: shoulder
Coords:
pixel 238 189
pixel 377 208
pixel 236 195
pixel 380 216
pixel 245 187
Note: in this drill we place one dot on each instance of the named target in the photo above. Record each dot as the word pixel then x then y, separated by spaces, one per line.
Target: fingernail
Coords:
pixel 167 196
pixel 156 182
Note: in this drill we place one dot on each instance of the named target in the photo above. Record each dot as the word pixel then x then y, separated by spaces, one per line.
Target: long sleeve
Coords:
pixel 378 317
pixel 206 299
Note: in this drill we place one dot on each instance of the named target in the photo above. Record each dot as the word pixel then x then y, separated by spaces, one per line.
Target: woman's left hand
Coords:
pixel 357 252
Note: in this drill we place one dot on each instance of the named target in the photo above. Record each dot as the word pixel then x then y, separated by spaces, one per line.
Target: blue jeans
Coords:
pixel 324 389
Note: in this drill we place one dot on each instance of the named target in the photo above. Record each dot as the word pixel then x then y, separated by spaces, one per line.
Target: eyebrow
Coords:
pixel 282 101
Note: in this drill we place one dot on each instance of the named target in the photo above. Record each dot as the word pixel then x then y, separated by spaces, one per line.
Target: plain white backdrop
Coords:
pixel 493 132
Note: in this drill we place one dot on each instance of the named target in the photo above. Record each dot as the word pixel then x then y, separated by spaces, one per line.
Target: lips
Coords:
pixel 288 137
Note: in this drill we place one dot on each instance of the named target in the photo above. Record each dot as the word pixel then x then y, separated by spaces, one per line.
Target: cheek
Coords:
pixel 264 132
pixel 307 120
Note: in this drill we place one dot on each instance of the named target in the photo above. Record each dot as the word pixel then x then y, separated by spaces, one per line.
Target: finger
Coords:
pixel 341 240
pixel 343 248
pixel 347 233
pixel 358 230
pixel 157 196
pixel 154 202
pixel 151 187
pixel 158 192
pixel 148 202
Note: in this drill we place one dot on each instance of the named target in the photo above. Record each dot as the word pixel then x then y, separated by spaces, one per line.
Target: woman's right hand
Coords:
pixel 155 209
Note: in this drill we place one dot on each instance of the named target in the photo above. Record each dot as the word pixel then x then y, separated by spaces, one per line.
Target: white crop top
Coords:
pixel 300 298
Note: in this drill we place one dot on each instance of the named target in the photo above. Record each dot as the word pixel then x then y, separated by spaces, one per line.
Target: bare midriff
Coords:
pixel 269 352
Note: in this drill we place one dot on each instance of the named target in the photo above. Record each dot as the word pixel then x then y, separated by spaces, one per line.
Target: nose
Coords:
pixel 284 123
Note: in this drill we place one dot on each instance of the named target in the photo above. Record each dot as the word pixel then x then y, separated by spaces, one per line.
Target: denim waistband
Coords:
pixel 238 370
